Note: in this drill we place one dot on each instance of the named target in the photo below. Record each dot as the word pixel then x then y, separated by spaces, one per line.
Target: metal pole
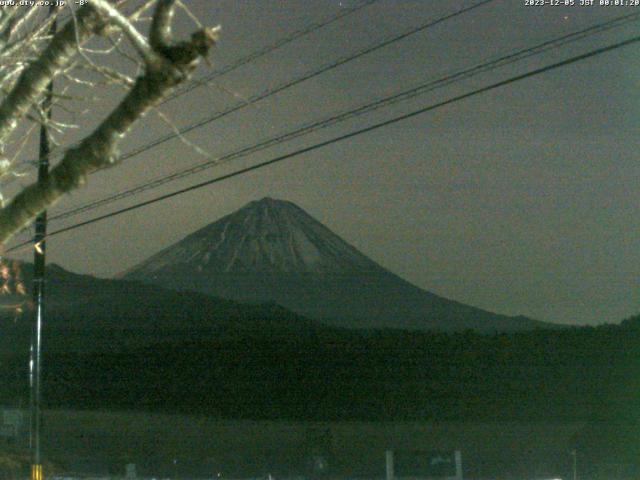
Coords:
pixel 35 362
pixel 389 463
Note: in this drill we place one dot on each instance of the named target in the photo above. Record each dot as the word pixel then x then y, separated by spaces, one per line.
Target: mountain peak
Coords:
pixel 272 250
pixel 270 201
pixel 270 236
pixel 270 204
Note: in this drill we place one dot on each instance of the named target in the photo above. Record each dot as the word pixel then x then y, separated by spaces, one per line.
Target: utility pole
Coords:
pixel 574 454
pixel 35 363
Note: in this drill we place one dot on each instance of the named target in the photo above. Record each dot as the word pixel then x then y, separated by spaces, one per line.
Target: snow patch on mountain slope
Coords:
pixel 264 236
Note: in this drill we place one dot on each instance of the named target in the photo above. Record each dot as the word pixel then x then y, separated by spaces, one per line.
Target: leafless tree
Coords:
pixel 80 57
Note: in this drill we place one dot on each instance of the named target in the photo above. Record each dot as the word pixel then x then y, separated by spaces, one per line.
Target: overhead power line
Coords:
pixel 304 77
pixel 347 136
pixel 268 49
pixel 423 88
pixel 253 56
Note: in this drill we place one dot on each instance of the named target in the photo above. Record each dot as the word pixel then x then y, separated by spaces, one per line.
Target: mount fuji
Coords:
pixel 273 251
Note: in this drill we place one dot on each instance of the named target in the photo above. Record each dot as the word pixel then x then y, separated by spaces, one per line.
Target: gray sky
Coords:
pixel 522 200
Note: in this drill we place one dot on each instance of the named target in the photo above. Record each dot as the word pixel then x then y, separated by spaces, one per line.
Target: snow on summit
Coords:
pixel 264 236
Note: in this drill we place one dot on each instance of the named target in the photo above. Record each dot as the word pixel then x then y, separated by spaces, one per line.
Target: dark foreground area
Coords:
pixel 578 374
pixel 192 446
pixel 263 400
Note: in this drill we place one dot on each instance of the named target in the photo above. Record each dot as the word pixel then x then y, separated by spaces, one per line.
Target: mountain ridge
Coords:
pixel 272 250
pixel 86 313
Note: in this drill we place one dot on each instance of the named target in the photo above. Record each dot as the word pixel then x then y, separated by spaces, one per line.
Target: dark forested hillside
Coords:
pixel 586 375
pixel 575 374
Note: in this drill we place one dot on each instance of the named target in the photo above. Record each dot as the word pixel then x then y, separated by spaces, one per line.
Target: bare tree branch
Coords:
pixel 160 35
pixel 172 64
pixel 34 80
pixel 138 40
